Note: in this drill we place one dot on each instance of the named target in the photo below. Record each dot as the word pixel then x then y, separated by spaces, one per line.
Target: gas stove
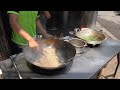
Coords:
pixel 72 70
pixel 84 66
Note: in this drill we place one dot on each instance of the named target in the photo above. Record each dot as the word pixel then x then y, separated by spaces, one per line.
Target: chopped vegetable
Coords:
pixel 90 38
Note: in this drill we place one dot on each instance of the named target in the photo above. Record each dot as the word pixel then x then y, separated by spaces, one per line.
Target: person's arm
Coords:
pixel 40 27
pixel 47 14
pixel 13 20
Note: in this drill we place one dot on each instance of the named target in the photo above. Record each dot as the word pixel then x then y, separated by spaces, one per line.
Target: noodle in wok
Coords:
pixel 51 59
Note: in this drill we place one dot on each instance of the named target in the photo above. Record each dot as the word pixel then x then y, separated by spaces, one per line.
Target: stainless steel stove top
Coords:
pixel 10 72
pixel 84 66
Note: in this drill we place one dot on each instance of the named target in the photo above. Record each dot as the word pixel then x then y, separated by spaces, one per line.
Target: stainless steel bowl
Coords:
pixel 79 44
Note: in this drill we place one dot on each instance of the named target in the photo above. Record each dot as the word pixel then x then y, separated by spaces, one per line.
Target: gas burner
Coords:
pixel 49 72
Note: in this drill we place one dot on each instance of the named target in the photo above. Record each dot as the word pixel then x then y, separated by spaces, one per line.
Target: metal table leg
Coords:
pixel 118 62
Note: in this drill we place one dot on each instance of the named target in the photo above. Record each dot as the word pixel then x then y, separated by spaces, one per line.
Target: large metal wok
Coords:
pixel 64 51
pixel 86 34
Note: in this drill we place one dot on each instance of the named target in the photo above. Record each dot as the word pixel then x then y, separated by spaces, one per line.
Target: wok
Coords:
pixel 64 51
pixel 85 33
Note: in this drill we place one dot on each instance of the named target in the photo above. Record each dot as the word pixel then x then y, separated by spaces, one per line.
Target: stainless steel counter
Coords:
pixel 84 66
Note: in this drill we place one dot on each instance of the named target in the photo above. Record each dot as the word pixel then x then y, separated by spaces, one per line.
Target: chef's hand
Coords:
pixel 33 44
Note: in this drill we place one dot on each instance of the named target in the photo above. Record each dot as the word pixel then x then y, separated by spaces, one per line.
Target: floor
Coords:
pixel 107 72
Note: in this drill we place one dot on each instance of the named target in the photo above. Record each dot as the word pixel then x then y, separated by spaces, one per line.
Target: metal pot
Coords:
pixel 64 51
pixel 79 44
pixel 85 33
